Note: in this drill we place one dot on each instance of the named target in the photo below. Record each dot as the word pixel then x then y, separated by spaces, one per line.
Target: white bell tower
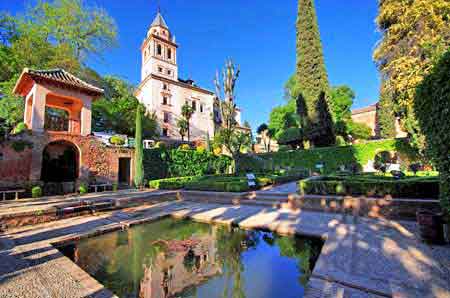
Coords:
pixel 159 51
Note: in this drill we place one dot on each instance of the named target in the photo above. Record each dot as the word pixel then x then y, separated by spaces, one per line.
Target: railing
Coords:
pixel 56 123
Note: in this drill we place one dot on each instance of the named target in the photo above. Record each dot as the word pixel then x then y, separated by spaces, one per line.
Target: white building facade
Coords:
pixel 163 93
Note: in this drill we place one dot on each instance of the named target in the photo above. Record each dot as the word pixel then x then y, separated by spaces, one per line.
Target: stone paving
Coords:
pixel 290 187
pixel 360 258
pixel 9 207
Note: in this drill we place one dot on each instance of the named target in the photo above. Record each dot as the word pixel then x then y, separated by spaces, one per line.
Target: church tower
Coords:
pixel 159 51
pixel 164 93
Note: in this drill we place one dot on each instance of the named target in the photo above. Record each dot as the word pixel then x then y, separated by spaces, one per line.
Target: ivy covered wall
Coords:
pixel 331 157
pixel 164 163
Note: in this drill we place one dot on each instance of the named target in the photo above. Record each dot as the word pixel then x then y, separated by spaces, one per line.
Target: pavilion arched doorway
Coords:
pixel 60 167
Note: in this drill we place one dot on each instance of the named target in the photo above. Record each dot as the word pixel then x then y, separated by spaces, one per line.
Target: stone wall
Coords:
pixel 97 162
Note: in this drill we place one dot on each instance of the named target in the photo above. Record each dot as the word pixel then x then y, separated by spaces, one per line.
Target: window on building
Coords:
pixel 165 87
pixel 159 50
pixel 166 117
pixel 169 54
pixel 160 69
pixel 194 105
pixel 165 101
pixel 169 72
pixel 165 132
pixel 201 108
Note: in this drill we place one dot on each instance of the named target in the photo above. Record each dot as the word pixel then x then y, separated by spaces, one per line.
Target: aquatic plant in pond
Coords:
pixel 180 258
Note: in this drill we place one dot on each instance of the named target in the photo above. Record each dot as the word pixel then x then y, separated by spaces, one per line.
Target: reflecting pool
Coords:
pixel 183 258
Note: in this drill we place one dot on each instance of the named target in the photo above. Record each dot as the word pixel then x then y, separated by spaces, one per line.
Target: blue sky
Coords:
pixel 258 34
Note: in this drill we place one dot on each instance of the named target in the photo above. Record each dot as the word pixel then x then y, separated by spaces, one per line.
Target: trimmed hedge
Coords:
pixel 218 183
pixel 165 163
pixel 331 157
pixel 170 183
pixel 417 187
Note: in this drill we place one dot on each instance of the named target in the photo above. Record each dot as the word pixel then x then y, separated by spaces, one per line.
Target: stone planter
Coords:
pixel 431 226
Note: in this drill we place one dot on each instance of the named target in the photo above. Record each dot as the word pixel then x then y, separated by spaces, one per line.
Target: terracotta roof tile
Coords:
pixel 62 76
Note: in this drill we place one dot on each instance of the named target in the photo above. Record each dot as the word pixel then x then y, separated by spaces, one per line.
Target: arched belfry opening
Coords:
pixel 60 162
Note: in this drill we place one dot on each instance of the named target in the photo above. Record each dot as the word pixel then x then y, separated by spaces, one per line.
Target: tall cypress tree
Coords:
pixel 325 135
pixel 138 150
pixel 311 72
pixel 386 117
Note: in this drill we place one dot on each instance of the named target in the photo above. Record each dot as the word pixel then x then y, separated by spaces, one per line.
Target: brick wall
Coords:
pixel 96 160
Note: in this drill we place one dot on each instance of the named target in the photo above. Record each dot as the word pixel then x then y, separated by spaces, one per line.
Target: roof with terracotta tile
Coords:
pixel 61 76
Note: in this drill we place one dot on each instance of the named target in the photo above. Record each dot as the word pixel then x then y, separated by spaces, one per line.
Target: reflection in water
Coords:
pixel 180 258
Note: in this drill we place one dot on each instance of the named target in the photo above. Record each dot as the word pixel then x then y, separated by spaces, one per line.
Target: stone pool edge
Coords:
pixel 100 291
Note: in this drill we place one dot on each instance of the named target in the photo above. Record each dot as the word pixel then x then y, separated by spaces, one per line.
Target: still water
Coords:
pixel 182 258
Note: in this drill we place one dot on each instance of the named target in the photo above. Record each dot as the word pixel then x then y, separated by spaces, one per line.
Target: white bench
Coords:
pixel 15 191
pixel 251 180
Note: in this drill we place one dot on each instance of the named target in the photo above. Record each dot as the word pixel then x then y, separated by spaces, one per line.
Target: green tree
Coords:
pixel 311 72
pixel 186 112
pixel 432 101
pixel 87 30
pixel 284 116
pixel 341 101
pixel 386 115
pixel 182 127
pixel 57 34
pixel 261 130
pixel 139 150
pixel 323 135
pixel 119 100
pixel 415 35
pixel 291 136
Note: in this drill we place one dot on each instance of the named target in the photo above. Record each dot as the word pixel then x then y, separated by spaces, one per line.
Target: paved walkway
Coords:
pixel 360 258
pixel 11 207
pixel 290 187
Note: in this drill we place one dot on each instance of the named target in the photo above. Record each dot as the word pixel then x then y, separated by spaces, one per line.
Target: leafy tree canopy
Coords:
pixel 341 101
pixel 415 35
pixel 119 100
pixel 432 101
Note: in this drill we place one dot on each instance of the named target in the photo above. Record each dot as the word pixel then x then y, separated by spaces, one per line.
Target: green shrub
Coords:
pixel 160 145
pixel 170 183
pixel 184 147
pixel 117 140
pixel 359 131
pixel 224 186
pixel 21 145
pixel 82 189
pixel 340 141
pixel 20 127
pixel 372 186
pixel 36 192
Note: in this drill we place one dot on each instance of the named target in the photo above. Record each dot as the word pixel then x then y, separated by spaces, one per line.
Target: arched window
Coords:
pixel 169 54
pixel 159 50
